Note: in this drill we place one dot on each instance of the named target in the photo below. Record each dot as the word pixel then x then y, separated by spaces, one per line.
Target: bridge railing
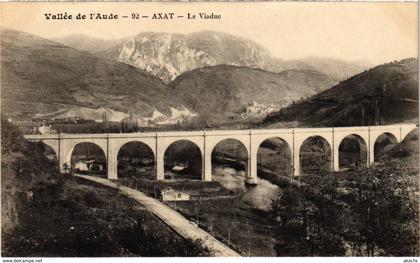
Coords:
pixel 216 132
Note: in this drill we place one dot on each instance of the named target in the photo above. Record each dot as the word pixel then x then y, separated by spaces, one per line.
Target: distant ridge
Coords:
pixel 168 55
pixel 43 76
pixel 40 76
pixel 389 92
pixel 221 91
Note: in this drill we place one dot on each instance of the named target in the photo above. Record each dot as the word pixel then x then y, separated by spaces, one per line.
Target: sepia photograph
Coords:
pixel 209 129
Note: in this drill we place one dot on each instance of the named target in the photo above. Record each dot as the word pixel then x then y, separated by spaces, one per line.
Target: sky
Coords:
pixel 376 32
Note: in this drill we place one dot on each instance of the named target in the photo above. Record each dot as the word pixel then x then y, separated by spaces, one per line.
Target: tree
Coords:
pixel 11 138
pixel 249 236
pixel 375 211
pixel 229 223
pixel 383 211
pixel 291 211
pixel 311 219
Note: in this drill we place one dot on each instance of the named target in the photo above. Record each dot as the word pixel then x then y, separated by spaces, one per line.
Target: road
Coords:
pixel 173 219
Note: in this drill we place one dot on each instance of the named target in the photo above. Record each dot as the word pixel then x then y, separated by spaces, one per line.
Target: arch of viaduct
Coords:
pixel 64 144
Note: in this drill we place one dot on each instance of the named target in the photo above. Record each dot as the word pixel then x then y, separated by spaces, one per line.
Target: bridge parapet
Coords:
pixel 132 135
pixel 272 131
pixel 352 129
pixel 41 136
pixel 403 126
pixel 393 126
pixel 180 134
pixel 227 132
pixel 312 130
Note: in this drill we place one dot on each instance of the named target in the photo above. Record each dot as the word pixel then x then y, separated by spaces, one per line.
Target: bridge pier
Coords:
pixel 251 175
pixel 160 164
pixel 371 154
pixel 207 167
pixel 295 159
pixel 335 158
pixel 112 171
pixel 296 162
pixel 112 161
pixel 62 164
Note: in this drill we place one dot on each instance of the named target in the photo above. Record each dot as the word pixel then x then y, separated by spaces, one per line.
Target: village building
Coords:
pixel 144 122
pixel 83 165
pixel 89 165
pixel 177 117
pixel 256 109
pixel 151 121
pixel 44 129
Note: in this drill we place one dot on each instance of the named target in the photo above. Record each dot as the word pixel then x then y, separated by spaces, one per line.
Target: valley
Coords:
pixel 177 117
pixel 121 85
pixel 217 94
pixel 239 215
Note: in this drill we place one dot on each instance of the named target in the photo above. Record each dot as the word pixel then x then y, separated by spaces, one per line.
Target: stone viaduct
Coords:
pixel 158 142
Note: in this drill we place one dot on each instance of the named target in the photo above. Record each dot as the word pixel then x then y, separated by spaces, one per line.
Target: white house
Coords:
pixel 83 165
pixel 169 194
pixel 89 165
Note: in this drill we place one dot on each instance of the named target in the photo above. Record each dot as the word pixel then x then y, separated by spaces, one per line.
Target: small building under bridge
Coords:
pixel 170 194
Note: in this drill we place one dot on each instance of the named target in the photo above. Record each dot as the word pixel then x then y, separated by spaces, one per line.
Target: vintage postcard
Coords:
pixel 209 129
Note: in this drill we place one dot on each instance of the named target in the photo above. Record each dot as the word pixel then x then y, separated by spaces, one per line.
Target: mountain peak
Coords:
pixel 167 55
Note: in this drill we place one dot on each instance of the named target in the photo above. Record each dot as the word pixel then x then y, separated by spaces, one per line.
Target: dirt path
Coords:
pixel 172 218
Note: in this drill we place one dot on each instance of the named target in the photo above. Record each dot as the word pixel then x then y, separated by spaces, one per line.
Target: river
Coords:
pixel 260 196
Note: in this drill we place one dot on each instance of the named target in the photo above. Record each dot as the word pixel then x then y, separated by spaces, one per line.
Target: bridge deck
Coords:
pixel 215 132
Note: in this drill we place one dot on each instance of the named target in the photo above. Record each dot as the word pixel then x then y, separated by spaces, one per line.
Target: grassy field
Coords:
pixel 247 230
